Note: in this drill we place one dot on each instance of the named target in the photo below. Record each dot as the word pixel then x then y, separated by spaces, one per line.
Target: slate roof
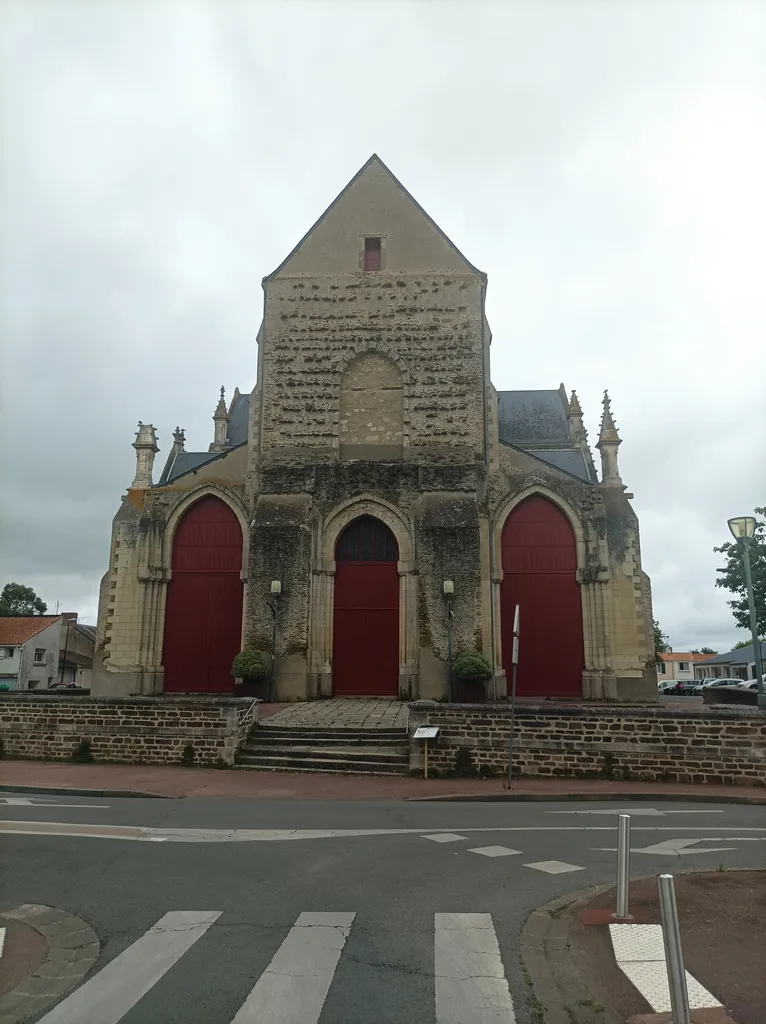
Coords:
pixel 239 416
pixel 536 422
pixel 532 416
pixel 16 629
pixel 740 656
pixel 185 462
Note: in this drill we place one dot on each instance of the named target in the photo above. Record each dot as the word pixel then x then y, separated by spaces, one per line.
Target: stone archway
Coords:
pixel 203 609
pixel 365 653
pixel 539 572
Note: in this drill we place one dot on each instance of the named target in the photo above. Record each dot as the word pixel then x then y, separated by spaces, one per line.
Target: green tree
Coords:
pixel 746 643
pixel 16 599
pixel 660 641
pixel 703 650
pixel 732 576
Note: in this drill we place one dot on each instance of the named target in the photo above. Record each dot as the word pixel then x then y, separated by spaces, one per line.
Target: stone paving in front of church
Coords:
pixel 348 713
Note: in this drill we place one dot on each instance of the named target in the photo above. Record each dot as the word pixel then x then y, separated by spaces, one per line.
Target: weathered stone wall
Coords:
pixel 139 730
pixel 429 324
pixel 610 742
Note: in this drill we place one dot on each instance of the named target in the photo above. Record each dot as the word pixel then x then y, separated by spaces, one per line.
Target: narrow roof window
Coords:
pixel 372 254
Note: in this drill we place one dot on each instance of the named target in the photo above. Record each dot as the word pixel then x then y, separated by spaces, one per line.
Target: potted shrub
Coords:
pixel 471 671
pixel 252 669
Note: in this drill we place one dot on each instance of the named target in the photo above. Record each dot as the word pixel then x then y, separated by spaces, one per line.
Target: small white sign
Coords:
pixel 426 732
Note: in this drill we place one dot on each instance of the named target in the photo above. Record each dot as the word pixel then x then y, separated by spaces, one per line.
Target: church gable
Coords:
pixel 376 224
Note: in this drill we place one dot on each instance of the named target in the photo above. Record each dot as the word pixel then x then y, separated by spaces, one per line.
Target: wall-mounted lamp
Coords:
pixel 276 587
pixel 448 588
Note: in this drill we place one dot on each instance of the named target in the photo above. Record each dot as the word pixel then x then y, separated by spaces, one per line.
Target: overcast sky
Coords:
pixel 604 163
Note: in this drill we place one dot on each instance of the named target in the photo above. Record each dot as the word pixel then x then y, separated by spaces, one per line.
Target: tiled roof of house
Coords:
pixel 684 656
pixel 15 629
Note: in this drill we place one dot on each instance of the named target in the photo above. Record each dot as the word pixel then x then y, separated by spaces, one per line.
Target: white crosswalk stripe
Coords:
pixel 470 983
pixel 107 996
pixel 293 988
pixel 471 987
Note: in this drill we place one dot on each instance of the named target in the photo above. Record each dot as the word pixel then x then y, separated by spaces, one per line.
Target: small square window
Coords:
pixel 33 684
pixel 372 251
pixel 682 666
pixel 8 652
pixel 39 655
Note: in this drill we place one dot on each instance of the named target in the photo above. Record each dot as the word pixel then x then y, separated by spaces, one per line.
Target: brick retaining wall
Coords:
pixel 653 744
pixel 133 730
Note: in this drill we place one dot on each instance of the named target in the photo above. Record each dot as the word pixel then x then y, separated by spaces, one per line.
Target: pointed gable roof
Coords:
pixel 372 164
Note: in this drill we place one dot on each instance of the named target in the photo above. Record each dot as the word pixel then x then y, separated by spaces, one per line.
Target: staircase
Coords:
pixel 342 750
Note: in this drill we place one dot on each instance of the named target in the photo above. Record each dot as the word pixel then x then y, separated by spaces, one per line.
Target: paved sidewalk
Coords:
pixel 171 781
pixel 572 961
pixel 371 713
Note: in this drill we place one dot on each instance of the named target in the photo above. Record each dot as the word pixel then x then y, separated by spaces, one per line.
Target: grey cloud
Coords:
pixel 603 163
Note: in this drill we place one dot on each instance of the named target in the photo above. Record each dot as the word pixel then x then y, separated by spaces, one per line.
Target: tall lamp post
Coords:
pixel 276 590
pixel 742 529
pixel 448 589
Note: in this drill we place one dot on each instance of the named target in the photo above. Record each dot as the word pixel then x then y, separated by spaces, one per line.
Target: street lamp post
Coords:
pixel 742 529
pixel 276 590
pixel 448 589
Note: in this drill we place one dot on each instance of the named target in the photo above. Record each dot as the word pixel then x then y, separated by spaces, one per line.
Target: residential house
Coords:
pixel 78 643
pixel 679 665
pixel 29 651
pixel 736 664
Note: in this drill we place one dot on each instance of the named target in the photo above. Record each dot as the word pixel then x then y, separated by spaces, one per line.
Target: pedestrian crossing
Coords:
pixel 469 980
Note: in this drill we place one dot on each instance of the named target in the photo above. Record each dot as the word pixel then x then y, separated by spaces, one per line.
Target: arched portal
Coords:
pixel 203 614
pixel 365 650
pixel 539 574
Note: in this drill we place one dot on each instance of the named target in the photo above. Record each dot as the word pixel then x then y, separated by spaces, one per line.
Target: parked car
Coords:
pixel 665 687
pixel 64 686
pixel 683 688
pixel 725 682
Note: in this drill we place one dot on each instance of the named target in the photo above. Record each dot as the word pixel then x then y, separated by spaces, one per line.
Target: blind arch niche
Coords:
pixel 371 420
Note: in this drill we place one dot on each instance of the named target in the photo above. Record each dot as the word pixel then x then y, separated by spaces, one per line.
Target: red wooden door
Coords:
pixel 365 650
pixel 203 613
pixel 539 574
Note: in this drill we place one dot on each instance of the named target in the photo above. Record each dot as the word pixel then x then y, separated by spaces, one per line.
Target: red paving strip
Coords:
pixel 176 782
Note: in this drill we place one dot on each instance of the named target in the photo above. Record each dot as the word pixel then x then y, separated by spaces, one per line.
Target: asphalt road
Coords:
pixel 399 946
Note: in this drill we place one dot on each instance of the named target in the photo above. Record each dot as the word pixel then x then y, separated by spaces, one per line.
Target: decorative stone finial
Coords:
pixel 221 425
pixel 577 432
pixel 608 443
pixel 146 448
pixel 179 440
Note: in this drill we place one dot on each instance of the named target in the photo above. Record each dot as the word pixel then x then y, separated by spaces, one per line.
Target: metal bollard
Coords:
pixel 623 867
pixel 671 935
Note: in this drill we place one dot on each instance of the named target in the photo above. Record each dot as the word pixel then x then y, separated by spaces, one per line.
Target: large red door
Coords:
pixel 365 649
pixel 539 574
pixel 203 613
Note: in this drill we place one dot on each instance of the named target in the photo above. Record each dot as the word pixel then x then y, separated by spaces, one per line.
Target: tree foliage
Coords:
pixel 660 641
pixel 703 650
pixel 746 643
pixel 16 599
pixel 732 576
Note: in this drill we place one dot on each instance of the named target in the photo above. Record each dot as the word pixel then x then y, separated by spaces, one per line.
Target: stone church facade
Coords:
pixel 376 478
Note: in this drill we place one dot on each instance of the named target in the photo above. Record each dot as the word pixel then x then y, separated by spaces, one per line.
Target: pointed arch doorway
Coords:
pixel 203 612
pixel 539 553
pixel 365 650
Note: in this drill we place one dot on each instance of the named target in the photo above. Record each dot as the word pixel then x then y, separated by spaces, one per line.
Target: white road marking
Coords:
pixel 23 801
pixel 673 848
pixel 553 867
pixel 293 988
pixel 495 851
pixel 470 982
pixel 2 940
pixel 141 833
pixel 640 954
pixel 647 812
pixel 445 837
pixel 116 988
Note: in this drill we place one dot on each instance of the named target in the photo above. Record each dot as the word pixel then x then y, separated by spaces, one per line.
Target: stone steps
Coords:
pixel 353 751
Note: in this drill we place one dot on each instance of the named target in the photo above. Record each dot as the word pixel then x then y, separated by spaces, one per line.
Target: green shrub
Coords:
pixel 81 753
pixel 472 667
pixel 252 665
pixel 463 766
pixel 188 755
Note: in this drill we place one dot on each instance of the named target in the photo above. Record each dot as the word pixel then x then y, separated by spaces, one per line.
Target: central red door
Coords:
pixel 539 574
pixel 203 614
pixel 365 648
